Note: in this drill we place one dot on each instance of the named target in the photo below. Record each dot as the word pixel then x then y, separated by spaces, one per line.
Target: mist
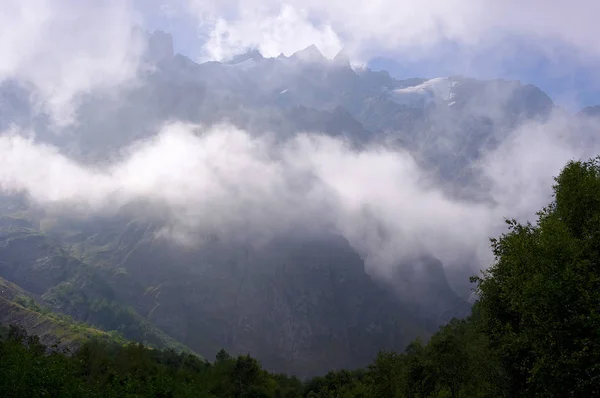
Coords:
pixel 249 187
pixel 252 188
pixel 62 49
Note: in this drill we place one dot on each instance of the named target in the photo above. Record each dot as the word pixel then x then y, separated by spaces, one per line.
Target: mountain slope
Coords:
pixel 35 268
pixel 299 304
pixel 18 307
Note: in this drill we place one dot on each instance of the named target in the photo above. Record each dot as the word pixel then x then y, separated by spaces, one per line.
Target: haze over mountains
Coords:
pixel 294 207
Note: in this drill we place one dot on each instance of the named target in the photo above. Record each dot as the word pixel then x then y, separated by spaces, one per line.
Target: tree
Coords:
pixel 447 353
pixel 247 377
pixel 222 355
pixel 420 377
pixel 385 375
pixel 540 300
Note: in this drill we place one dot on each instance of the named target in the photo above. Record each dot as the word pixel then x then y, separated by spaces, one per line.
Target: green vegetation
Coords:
pixel 534 332
pixel 52 293
pixel 108 314
pixel 540 301
pixel 17 306
pixel 101 369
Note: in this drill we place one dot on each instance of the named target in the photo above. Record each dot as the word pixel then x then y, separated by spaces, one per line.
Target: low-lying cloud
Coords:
pixel 251 189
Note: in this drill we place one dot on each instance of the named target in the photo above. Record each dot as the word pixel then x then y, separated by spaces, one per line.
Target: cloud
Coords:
pixel 523 166
pixel 270 34
pixel 251 189
pixel 63 48
pixel 405 27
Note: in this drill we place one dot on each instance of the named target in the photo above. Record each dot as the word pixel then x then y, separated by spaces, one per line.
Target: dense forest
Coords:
pixel 534 332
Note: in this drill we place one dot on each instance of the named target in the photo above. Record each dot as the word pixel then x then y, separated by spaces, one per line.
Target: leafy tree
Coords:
pixel 447 353
pixel 223 355
pixel 385 375
pixel 101 369
pixel 247 375
pixel 540 299
pixel 420 376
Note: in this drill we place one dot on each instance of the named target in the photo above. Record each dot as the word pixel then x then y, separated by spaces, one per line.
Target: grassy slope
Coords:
pixel 38 260
pixel 20 308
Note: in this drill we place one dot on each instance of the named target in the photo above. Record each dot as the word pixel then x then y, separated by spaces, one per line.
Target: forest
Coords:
pixel 534 331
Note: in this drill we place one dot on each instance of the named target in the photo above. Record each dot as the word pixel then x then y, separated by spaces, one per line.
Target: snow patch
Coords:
pixel 242 66
pixel 438 89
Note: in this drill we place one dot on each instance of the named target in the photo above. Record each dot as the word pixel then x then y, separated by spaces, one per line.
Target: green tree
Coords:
pixel 385 375
pixel 420 375
pixel 222 355
pixel 248 378
pixel 540 300
pixel 448 355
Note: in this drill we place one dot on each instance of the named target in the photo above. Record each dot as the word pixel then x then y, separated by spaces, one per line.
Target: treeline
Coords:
pixel 534 332
pixel 104 369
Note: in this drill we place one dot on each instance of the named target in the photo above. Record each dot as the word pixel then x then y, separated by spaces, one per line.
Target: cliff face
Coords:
pixel 302 305
pixel 299 304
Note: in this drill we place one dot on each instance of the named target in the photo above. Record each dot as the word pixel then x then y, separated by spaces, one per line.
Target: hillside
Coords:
pixel 119 280
pixel 17 307
pixel 55 291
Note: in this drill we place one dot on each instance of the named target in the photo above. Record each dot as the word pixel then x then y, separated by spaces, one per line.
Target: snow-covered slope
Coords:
pixel 433 90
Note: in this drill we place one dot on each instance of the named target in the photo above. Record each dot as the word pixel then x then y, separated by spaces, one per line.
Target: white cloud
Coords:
pixel 273 27
pixel 63 48
pixel 252 189
pixel 406 27
pixel 273 31
pixel 523 166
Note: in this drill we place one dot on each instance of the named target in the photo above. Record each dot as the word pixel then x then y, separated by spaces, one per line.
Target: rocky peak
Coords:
pixel 341 59
pixel 252 54
pixel 590 111
pixel 309 54
pixel 160 46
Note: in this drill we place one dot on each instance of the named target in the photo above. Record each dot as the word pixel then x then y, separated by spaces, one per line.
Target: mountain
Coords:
pixel 160 47
pixel 302 303
pixel 36 268
pixel 590 111
pixel 19 307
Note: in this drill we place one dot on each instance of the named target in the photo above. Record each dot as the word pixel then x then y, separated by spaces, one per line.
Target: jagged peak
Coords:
pixel 590 111
pixel 252 53
pixel 160 45
pixel 309 54
pixel 341 59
